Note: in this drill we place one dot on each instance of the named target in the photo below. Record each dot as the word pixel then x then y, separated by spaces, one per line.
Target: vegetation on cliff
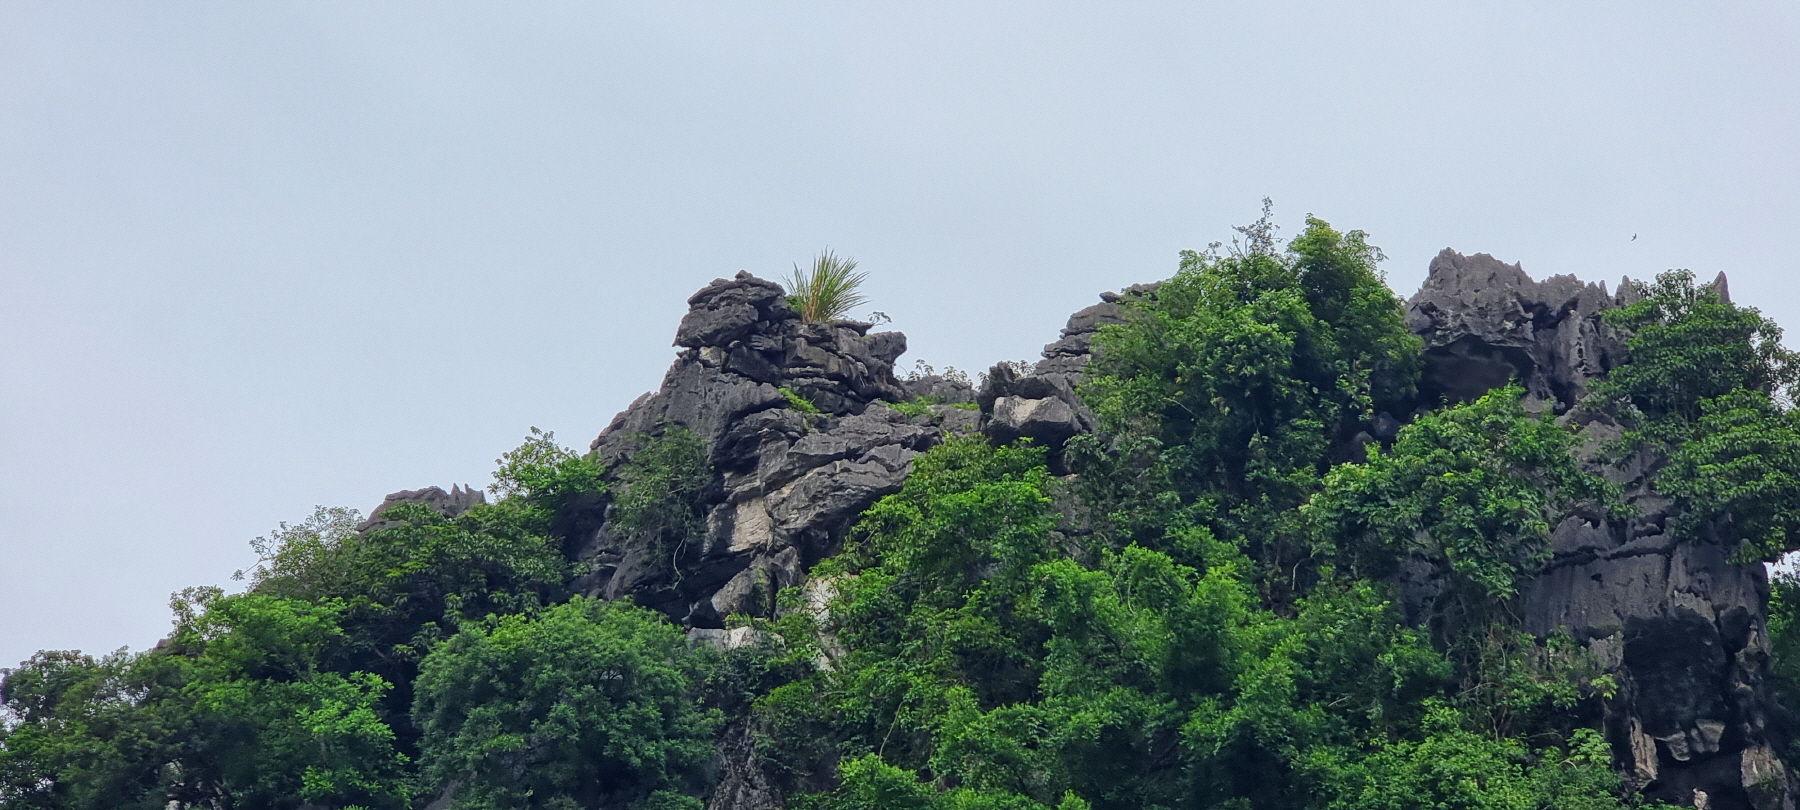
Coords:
pixel 1202 615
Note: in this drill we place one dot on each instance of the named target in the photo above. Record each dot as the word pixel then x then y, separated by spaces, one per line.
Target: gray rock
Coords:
pixel 956 421
pixel 1680 628
pixel 938 388
pixel 887 346
pixel 1384 426
pixel 450 504
pixel 787 484
pixel 704 400
pixel 1048 421
pixel 742 782
pixel 815 508
pixel 1486 322
pixel 850 437
pixel 725 311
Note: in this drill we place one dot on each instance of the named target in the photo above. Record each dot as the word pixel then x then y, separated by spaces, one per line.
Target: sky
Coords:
pixel 257 257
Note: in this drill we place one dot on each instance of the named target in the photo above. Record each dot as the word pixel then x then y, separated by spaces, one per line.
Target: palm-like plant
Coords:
pixel 828 291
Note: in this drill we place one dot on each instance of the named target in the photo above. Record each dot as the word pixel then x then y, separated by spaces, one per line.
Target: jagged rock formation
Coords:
pixel 452 503
pixel 789 483
pixel 1681 629
pixel 1040 403
pixel 1486 322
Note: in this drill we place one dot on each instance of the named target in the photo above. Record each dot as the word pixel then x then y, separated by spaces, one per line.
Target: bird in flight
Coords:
pixel 1634 237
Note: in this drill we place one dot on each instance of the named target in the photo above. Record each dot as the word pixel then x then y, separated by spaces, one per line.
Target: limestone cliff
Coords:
pixel 1681 630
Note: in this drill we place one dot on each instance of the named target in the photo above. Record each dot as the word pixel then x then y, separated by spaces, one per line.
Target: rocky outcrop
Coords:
pixel 788 481
pixel 450 504
pixel 1040 403
pixel 1680 628
pixel 1486 322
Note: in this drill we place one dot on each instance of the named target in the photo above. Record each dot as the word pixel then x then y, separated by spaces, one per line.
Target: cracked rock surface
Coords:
pixel 1679 627
pixel 787 484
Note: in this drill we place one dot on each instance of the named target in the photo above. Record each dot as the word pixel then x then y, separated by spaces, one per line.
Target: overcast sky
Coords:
pixel 260 256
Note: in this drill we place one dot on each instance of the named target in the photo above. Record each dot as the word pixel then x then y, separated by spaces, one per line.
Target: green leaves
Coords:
pixel 798 402
pixel 1479 485
pixel 1743 463
pixel 590 699
pixel 1689 345
pixel 1710 383
pixel 1455 769
pixel 1228 386
pixel 655 501
pixel 544 474
pixel 828 290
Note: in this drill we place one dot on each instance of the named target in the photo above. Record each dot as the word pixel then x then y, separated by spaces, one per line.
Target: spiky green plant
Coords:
pixel 828 291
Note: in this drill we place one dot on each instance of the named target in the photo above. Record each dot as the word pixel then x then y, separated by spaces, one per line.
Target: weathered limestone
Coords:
pixel 1486 322
pixel 1679 627
pixel 788 484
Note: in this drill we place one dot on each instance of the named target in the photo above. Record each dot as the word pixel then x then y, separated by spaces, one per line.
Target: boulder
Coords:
pixel 1048 421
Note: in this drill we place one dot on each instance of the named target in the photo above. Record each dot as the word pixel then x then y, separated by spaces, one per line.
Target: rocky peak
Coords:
pixel 741 345
pixel 1680 628
pixel 1486 322
pixel 788 482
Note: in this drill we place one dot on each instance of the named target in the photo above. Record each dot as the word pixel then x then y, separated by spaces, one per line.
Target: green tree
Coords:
pixel 274 727
pixel 1688 345
pixel 1741 464
pixel 1709 384
pixel 1478 486
pixel 587 701
pixel 1228 387
pixel 236 710
pixel 544 475
pixel 656 506
pixel 77 732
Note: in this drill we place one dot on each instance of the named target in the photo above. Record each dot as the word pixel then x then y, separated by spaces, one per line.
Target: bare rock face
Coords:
pixel 1486 322
pixel 1680 628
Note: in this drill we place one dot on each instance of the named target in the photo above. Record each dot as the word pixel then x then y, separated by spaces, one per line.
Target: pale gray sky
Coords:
pixel 260 256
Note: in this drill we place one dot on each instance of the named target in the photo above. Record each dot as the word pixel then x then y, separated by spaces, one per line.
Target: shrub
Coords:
pixel 827 291
pixel 798 401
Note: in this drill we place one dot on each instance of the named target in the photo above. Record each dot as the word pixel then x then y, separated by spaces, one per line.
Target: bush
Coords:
pixel 588 700
pixel 827 291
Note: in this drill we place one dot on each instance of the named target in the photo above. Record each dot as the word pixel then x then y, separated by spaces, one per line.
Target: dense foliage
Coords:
pixel 1710 384
pixel 1203 615
pixel 1478 486
pixel 587 702
pixel 1232 384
